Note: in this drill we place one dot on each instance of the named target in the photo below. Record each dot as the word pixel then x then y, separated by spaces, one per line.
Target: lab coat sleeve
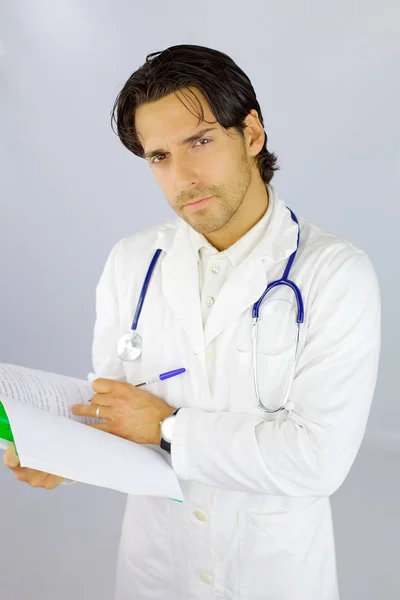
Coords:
pixel 106 362
pixel 310 453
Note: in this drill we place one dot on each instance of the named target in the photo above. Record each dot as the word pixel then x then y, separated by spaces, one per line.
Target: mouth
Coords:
pixel 196 204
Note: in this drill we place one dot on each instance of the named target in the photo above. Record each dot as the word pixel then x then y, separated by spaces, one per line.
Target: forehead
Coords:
pixel 172 119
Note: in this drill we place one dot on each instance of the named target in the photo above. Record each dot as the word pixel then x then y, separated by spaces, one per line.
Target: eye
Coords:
pixel 204 140
pixel 154 161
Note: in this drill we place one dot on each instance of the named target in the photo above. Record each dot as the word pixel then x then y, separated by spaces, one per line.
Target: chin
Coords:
pixel 205 228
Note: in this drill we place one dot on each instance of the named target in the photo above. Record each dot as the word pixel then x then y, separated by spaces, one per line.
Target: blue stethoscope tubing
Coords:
pixel 299 320
pixel 129 347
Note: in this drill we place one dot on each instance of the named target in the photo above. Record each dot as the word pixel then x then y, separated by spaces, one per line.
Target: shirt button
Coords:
pixel 210 353
pixel 215 269
pixel 206 577
pixel 210 301
pixel 200 515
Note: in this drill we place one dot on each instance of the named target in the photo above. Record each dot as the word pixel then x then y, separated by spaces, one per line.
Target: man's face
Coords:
pixel 216 164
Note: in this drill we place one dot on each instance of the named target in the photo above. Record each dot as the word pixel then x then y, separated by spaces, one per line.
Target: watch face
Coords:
pixel 166 428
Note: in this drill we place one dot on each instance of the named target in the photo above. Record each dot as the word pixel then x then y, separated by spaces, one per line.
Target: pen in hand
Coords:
pixel 161 377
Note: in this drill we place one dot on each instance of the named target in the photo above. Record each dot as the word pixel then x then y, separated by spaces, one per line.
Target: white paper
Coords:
pixel 47 391
pixel 48 437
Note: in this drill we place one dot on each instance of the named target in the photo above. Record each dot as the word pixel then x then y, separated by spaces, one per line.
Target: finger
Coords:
pixel 28 475
pixel 52 482
pixel 110 386
pixel 10 458
pixel 96 400
pixel 103 386
pixel 82 409
pixel 19 473
pixel 102 399
pixel 35 478
pixel 101 412
pixel 91 410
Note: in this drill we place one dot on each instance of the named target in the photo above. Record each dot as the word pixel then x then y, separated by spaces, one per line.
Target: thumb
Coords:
pixel 101 385
pixel 11 460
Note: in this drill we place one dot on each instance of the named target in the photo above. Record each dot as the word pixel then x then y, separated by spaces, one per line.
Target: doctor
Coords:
pixel 256 520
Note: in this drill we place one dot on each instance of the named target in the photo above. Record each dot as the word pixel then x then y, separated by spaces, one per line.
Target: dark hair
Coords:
pixel 226 87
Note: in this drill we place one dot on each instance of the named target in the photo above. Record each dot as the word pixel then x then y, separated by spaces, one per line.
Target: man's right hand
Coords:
pixel 31 476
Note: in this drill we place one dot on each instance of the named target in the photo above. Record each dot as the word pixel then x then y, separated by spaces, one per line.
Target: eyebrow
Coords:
pixel 188 140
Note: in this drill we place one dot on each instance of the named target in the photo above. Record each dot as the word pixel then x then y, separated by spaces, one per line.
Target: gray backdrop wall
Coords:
pixel 326 76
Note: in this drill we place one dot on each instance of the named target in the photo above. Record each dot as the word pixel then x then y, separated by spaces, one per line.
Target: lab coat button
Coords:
pixel 215 269
pixel 209 301
pixel 206 577
pixel 210 353
pixel 200 515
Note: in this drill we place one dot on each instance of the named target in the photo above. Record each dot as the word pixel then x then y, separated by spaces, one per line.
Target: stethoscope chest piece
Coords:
pixel 130 346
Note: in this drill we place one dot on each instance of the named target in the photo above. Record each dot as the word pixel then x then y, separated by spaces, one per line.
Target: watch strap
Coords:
pixel 163 443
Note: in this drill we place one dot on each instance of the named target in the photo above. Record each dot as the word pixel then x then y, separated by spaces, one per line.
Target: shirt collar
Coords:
pixel 277 242
pixel 242 247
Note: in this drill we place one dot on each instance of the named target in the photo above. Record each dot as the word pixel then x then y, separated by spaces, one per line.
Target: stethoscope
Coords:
pixel 129 347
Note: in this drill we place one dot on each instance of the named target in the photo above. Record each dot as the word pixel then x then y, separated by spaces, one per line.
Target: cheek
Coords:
pixel 161 180
pixel 217 168
pixel 226 173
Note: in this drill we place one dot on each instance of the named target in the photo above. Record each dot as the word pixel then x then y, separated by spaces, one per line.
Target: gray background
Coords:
pixel 326 76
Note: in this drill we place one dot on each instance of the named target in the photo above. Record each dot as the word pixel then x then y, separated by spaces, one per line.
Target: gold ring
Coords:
pixel 98 411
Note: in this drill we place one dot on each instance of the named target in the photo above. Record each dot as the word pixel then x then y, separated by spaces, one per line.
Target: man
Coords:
pixel 256 520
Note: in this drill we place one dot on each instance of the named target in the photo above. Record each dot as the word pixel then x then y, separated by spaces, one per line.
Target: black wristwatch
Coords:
pixel 166 431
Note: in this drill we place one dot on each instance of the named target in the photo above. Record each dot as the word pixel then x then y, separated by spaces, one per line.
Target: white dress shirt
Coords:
pixel 215 267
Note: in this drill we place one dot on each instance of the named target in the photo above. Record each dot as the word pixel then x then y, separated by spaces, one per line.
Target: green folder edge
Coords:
pixel 6 433
pixel 5 429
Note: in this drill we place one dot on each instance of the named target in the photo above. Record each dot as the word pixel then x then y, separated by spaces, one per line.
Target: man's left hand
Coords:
pixel 129 412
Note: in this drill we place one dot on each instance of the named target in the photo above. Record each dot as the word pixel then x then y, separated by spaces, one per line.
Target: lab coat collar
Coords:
pixel 180 277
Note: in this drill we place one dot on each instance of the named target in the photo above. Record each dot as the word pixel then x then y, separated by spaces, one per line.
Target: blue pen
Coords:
pixel 161 377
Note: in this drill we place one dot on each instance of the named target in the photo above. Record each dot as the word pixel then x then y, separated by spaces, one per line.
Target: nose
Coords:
pixel 185 176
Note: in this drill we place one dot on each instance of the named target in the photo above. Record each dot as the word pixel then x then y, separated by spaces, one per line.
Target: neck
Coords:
pixel 252 209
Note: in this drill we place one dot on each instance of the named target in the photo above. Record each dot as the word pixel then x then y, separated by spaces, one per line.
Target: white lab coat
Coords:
pixel 256 520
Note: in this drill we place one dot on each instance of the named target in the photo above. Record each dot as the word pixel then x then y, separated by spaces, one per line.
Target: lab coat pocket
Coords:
pixel 275 355
pixel 146 538
pixel 272 548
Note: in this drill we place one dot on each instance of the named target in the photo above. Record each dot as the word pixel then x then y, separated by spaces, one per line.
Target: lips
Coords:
pixel 198 204
pixel 197 201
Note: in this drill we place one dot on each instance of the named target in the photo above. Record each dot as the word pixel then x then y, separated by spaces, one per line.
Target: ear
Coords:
pixel 254 133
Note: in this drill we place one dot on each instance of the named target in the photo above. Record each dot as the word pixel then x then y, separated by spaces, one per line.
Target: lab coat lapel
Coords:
pixel 180 275
pixel 249 280
pixel 180 285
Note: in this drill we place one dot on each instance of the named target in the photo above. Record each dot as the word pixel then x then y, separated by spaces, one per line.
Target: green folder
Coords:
pixel 5 429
